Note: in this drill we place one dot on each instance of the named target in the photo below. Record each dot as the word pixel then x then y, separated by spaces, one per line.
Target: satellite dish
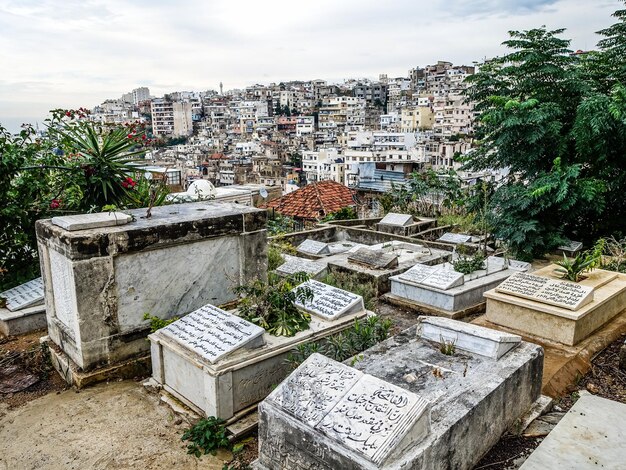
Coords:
pixel 147 175
pixel 263 193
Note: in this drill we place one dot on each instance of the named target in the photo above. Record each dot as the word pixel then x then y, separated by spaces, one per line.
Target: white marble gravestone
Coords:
pixel 24 295
pixel 564 294
pixel 213 333
pixel 294 264
pixel 87 221
pixel 572 247
pixel 374 259
pixel 455 238
pixel 468 337
pixel 330 302
pixel 396 219
pixel 433 276
pixel 313 247
pixel 359 412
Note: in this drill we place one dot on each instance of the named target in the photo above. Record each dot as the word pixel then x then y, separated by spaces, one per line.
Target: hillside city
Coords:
pixel 292 133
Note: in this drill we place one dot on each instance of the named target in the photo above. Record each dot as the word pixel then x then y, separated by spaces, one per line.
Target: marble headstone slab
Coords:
pixel 213 333
pixel 358 411
pixel 433 276
pixel 293 265
pixel 562 294
pixel 374 417
pixel 313 247
pixel 330 302
pixel 87 221
pixel 455 238
pixel 393 218
pixel 314 388
pixel 468 337
pixel 24 295
pixel 374 259
pixel 572 246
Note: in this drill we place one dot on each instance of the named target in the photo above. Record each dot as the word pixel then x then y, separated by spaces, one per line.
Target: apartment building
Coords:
pixel 171 118
pixel 416 118
pixel 340 112
pixel 324 164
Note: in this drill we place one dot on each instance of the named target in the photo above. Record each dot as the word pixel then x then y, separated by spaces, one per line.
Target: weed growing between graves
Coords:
pixel 206 437
pixel 157 323
pixel 272 306
pixel 447 347
pixel 243 452
pixel 362 335
pixel 616 253
pixel 275 251
pixel 351 283
pixel 469 264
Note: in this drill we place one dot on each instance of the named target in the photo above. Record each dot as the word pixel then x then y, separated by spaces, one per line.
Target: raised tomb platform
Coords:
pixel 221 365
pixel 103 272
pixel 404 404
pixel 545 306
pixel 24 309
pixel 441 290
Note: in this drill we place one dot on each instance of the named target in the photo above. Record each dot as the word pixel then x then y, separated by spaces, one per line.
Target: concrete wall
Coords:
pixel 100 282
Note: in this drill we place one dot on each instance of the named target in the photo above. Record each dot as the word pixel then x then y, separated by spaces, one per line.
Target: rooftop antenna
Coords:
pixel 221 88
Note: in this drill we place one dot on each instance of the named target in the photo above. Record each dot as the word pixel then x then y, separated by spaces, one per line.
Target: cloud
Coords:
pixel 63 53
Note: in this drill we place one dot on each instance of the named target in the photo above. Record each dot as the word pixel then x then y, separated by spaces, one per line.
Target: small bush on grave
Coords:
pixel 572 269
pixel 157 323
pixel 362 335
pixel 206 437
pixel 271 304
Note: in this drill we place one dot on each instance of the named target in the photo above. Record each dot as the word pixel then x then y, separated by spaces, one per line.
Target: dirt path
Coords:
pixel 117 425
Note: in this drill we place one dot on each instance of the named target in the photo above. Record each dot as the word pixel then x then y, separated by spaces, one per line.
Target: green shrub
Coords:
pixel 572 269
pixel 271 304
pixel 469 264
pixel 206 437
pixel 274 257
pixel 157 323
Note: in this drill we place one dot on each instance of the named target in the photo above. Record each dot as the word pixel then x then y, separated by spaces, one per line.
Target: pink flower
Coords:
pixel 55 204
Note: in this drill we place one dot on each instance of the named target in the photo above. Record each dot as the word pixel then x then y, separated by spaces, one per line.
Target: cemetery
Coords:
pixel 441 393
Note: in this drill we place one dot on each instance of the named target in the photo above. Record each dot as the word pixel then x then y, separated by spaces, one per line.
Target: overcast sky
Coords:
pixel 72 53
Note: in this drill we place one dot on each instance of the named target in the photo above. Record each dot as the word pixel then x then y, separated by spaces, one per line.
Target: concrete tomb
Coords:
pixel 25 310
pixel 404 404
pixel 330 302
pixel 443 291
pixel 313 247
pixel 294 264
pixel 455 238
pixel 99 282
pixel 571 249
pixel 221 365
pixel 544 305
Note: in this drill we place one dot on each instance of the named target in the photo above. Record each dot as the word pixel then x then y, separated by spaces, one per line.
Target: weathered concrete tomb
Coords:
pixel 543 305
pixel 103 273
pixel 221 365
pixel 442 291
pixel 405 404
pixel 24 310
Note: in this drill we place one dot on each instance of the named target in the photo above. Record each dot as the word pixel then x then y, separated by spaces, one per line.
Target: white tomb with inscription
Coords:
pixel 403 405
pixel 360 414
pixel 24 310
pixel 221 365
pixel 441 290
pixel 330 302
pixel 544 305
pixel 294 264
pixel 313 247
pixel 91 221
pixel 393 218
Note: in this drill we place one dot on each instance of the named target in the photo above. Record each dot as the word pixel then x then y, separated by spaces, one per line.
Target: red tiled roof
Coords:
pixel 313 201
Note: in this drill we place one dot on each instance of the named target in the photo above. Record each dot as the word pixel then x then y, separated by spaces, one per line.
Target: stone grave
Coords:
pixel 294 264
pixel 330 302
pixel 373 259
pixel 393 218
pixel 570 249
pixel 442 291
pixel 25 310
pixel 221 365
pixel 398 407
pixel 455 238
pixel 313 247
pixel 99 282
pixel 541 304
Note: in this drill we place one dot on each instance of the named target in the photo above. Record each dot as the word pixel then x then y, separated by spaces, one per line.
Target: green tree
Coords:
pixel 545 118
